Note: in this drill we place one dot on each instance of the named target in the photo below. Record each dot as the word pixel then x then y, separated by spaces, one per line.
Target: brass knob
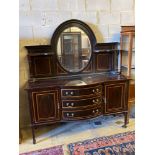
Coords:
pixel 97 89
pixel 93 101
pixel 72 104
pixel 67 104
pixel 71 93
pixel 93 90
pixel 70 114
pixel 66 93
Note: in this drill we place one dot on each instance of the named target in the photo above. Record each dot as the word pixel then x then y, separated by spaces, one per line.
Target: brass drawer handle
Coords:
pixel 97 90
pixel 96 101
pixel 69 93
pixel 72 93
pixel 66 92
pixel 70 114
pixel 69 105
pixel 95 111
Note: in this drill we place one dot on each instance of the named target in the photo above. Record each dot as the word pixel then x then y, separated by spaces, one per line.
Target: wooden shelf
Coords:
pixel 124 66
pixel 133 51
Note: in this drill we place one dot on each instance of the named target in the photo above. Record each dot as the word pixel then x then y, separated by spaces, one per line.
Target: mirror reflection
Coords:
pixel 76 83
pixel 73 49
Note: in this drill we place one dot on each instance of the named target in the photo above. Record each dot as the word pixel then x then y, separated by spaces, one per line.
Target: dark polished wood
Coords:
pixel 115 97
pixel 57 95
pixel 104 61
pixel 52 101
pixel 33 135
pixel 45 64
pixel 125 120
pixel 45 105
pixel 41 61
pixel 78 103
pixel 71 115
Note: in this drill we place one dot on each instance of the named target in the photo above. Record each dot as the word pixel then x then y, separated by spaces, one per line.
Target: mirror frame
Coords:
pixel 73 23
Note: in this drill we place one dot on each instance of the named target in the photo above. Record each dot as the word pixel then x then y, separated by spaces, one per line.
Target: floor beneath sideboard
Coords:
pixel 65 133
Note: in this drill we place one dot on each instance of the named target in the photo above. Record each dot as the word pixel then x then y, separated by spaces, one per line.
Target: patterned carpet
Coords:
pixel 118 144
pixel 57 150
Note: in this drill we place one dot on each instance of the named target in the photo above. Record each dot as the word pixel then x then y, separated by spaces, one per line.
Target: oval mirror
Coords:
pixel 73 41
pixel 73 49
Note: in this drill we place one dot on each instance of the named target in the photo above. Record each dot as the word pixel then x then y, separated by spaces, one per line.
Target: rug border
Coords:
pixel 97 138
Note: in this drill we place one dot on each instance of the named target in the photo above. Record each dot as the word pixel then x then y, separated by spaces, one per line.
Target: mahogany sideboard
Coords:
pixel 75 78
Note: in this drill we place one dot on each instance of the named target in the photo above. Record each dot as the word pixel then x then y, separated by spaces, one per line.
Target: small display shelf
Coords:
pixel 127 48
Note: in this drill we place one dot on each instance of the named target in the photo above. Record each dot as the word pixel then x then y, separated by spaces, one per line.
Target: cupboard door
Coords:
pixel 41 66
pixel 45 106
pixel 115 97
pixel 104 61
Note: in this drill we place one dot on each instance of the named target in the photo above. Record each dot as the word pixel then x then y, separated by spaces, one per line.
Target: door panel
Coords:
pixel 115 97
pixel 41 66
pixel 45 106
pixel 104 61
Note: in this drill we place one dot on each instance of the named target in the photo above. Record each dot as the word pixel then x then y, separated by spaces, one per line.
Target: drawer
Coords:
pixel 81 114
pixel 81 91
pixel 81 103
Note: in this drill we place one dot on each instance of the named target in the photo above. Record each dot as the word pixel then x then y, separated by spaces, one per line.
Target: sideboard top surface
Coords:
pixel 78 80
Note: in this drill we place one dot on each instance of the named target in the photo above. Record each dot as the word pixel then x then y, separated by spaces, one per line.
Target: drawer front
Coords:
pixel 81 91
pixel 81 103
pixel 82 114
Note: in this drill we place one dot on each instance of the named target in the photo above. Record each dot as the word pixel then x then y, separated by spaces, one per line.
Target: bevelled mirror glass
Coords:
pixel 73 49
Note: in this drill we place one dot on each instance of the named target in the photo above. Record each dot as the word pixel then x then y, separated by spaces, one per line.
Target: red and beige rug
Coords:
pixel 57 150
pixel 119 144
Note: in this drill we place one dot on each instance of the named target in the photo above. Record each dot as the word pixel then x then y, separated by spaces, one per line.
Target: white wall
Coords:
pixel 39 18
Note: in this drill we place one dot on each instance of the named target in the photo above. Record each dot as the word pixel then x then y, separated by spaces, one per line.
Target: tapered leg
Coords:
pixel 128 116
pixel 114 115
pixel 125 120
pixel 33 135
